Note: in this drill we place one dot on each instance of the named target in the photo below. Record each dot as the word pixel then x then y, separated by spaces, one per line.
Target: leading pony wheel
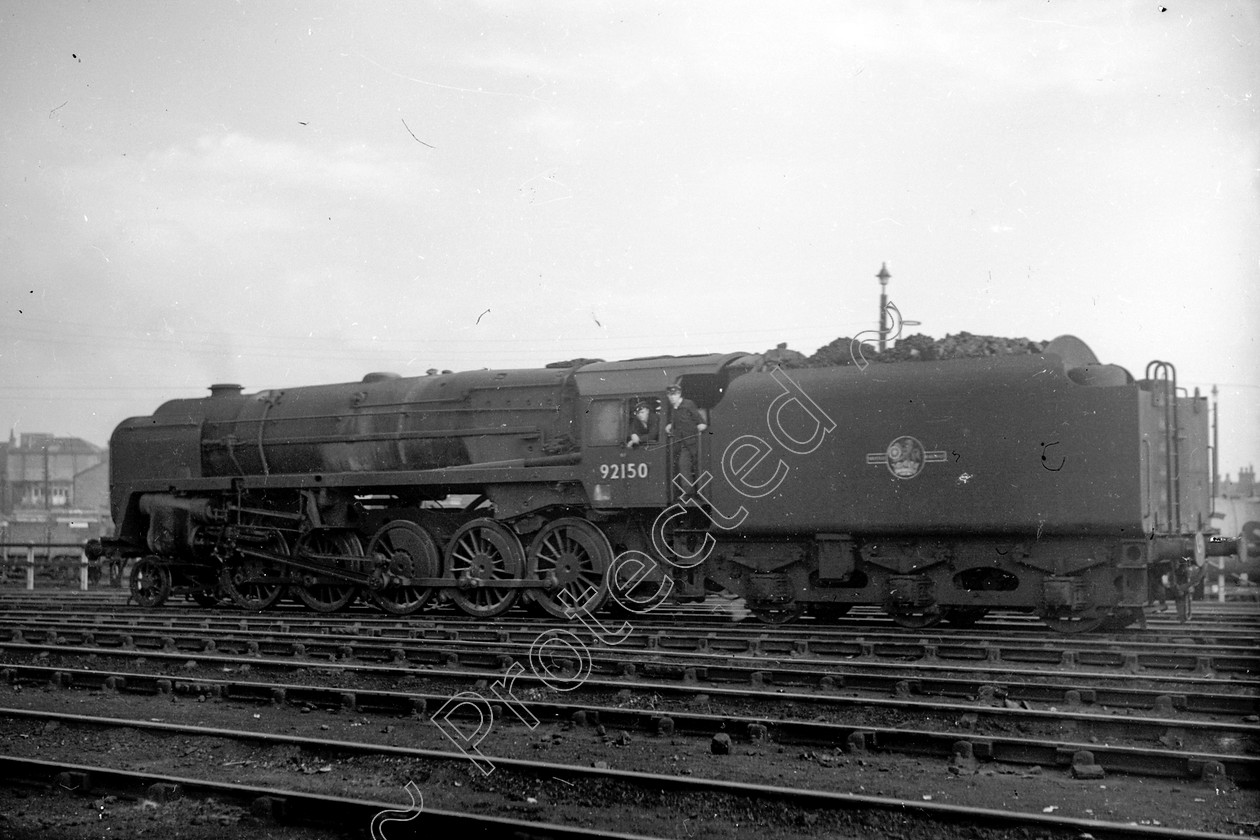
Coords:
pixel 150 582
pixel 483 551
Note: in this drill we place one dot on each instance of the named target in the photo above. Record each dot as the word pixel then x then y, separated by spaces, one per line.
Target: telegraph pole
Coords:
pixel 1215 449
pixel 47 480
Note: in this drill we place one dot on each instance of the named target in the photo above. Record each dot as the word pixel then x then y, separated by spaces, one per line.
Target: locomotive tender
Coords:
pixel 936 490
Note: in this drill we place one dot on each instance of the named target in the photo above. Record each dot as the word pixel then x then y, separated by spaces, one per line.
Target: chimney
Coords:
pixel 1247 482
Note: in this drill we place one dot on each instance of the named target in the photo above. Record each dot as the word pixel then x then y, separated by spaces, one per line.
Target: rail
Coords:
pixel 27 560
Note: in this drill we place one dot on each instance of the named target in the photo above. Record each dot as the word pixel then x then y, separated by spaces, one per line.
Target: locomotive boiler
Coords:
pixel 937 490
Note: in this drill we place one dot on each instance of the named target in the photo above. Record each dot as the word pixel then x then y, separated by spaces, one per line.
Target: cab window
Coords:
pixel 604 422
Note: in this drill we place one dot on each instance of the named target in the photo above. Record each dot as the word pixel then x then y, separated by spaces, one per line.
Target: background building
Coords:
pixel 1237 504
pixel 53 490
pixel 1236 512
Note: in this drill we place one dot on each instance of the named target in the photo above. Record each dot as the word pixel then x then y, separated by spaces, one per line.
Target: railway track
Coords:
pixel 1176 694
pixel 1164 717
pixel 1209 616
pixel 1203 652
pixel 1017 736
pixel 739 808
pixel 1187 693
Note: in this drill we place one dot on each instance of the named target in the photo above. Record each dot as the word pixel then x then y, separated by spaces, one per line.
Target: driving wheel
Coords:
pixel 483 551
pixel 406 550
pixel 339 550
pixel 574 555
pixel 253 582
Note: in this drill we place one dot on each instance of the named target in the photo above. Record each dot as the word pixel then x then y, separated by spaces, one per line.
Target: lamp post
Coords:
pixel 884 277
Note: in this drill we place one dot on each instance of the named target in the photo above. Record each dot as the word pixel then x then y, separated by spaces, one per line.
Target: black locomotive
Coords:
pixel 937 490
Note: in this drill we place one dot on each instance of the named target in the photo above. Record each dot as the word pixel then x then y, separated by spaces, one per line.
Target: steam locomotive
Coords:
pixel 936 490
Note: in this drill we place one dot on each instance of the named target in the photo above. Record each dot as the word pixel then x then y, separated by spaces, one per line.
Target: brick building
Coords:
pixel 54 489
pixel 1244 488
pixel 40 471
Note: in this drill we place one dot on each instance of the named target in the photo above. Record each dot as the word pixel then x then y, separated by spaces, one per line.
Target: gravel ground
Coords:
pixel 458 786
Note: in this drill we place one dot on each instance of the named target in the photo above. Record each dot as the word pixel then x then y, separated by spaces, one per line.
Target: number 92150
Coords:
pixel 623 470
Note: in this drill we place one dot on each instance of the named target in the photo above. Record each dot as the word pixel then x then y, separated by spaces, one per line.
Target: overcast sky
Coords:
pixel 299 193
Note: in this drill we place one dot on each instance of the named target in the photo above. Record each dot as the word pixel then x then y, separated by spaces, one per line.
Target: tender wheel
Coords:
pixel 484 550
pixel 965 616
pixel 785 614
pixel 150 582
pixel 254 583
pixel 576 555
pixel 917 619
pixel 333 549
pixel 410 552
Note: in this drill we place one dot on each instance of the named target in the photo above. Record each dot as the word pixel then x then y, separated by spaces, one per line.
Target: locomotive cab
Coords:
pixel 618 476
pixel 625 474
